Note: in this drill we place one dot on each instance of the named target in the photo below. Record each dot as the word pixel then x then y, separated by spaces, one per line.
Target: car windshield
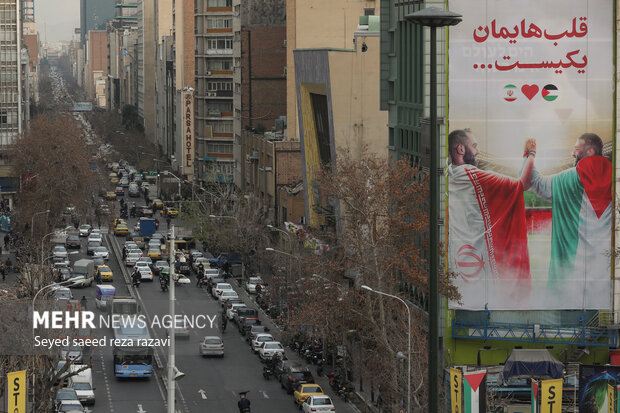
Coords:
pixel 224 286
pixel 273 346
pixel 63 294
pixel 104 269
pixel 66 394
pixel 322 401
pixel 74 407
pixel 255 280
pixel 101 249
pixel 81 386
pixel 301 375
pixel 265 338
pixel 133 256
pixel 213 341
pixel 229 294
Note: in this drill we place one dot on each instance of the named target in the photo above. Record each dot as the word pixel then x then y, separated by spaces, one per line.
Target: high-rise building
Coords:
pixel 28 11
pixel 10 101
pixel 94 15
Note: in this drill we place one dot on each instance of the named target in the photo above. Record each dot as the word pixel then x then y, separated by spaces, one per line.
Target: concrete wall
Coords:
pixel 318 23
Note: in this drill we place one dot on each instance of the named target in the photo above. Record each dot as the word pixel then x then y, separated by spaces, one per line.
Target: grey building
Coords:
pixel 94 14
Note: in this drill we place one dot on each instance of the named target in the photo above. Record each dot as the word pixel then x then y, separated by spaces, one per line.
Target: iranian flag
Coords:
pixel 581 223
pixel 474 389
pixel 534 396
pixel 488 238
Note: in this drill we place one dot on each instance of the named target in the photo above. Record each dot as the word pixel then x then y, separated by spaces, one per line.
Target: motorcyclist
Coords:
pixel 164 281
pixel 133 209
pixel 243 403
pixel 136 277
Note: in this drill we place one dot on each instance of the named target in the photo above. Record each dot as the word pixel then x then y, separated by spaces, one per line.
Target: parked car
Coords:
pixel 295 376
pixel 284 366
pixel 303 391
pixel 212 346
pixel 74 353
pixel 259 340
pixel 318 403
pixel 269 349
pixel 227 295
pixel 242 313
pixel 256 329
pixel 246 325
pixel 231 309
pixel 221 287
pixel 250 286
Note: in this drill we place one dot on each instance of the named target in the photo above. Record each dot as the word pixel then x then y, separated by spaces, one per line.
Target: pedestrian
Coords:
pixel 83 302
pixel 8 264
pixel 224 323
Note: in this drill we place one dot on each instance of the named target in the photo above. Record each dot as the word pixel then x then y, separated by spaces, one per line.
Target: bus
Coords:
pixel 130 359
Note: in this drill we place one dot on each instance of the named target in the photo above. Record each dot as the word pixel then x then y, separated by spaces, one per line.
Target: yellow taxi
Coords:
pixel 156 204
pixel 117 221
pixel 303 391
pixel 112 175
pixel 171 212
pixel 114 180
pixel 105 272
pixel 110 196
pixel 121 229
pixel 154 253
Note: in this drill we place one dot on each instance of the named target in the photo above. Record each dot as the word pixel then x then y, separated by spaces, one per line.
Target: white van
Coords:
pixel 82 383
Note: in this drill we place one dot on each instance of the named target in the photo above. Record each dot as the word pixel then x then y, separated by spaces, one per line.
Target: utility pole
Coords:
pixel 171 349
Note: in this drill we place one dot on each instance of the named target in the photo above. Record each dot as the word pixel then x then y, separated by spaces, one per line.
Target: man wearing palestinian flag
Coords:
pixel 487 227
pixel 581 224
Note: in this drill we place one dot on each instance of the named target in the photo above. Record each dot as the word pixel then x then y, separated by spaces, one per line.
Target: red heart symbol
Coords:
pixel 529 91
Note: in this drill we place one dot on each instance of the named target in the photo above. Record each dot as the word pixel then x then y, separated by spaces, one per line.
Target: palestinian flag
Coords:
pixel 581 229
pixel 549 93
pixel 475 391
pixel 534 396
pixel 510 93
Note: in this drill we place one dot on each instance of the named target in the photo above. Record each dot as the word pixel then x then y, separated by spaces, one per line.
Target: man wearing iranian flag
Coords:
pixel 581 224
pixel 487 227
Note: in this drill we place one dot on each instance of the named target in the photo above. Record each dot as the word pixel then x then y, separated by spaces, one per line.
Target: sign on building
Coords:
pixel 521 69
pixel 188 133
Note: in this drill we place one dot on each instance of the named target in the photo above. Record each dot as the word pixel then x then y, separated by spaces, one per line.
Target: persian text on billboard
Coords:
pixel 530 224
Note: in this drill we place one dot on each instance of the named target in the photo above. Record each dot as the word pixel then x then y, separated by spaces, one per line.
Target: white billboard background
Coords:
pixel 505 57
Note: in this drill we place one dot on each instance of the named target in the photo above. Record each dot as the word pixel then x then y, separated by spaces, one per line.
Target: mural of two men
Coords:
pixel 489 238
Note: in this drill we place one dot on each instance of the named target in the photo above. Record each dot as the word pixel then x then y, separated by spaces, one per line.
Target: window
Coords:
pixel 219 64
pixel 284 214
pixel 216 86
pixel 219 147
pixel 224 126
pixel 219 3
pixel 219 107
pixel 4 118
pixel 225 168
pixel 219 22
pixel 220 43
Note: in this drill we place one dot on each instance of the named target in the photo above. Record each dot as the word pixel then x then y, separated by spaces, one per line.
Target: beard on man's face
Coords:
pixel 469 158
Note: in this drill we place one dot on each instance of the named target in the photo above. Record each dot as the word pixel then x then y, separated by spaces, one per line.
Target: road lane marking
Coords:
pixel 264 394
pixel 140 409
pixel 202 394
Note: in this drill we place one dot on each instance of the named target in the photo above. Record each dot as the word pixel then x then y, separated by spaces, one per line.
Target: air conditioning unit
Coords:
pixel 209 73
pixel 211 94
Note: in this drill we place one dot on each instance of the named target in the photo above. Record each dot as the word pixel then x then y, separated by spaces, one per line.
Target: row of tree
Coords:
pixel 379 240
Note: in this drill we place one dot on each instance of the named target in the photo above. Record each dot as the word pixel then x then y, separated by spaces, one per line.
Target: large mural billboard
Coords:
pixel 530 175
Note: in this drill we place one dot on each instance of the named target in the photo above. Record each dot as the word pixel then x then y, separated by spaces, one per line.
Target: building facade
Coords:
pixel 94 14
pixel 259 95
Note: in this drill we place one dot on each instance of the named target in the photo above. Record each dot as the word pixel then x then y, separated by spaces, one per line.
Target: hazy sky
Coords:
pixel 57 19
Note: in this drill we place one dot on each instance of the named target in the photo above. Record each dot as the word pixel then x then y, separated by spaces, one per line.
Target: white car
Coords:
pixel 60 252
pixel 69 406
pixel 211 273
pixel 226 295
pixel 131 259
pixel 101 252
pixel 212 346
pixel 221 287
pixel 145 270
pixel 95 237
pixel 95 231
pixel 250 286
pixel 318 403
pixel 269 349
pixel 230 312
pixel 200 260
pixel 259 340
pixel 85 230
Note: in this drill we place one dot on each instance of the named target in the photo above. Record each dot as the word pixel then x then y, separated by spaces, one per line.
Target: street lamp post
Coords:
pixel 290 270
pixel 433 18
pixel 177 178
pixel 365 287
pixel 47 211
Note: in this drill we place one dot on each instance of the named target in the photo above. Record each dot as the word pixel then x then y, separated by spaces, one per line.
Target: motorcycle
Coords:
pixel 136 282
pixel 267 371
pixel 163 282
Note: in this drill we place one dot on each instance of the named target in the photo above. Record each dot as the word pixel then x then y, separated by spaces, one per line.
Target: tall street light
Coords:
pixel 288 236
pixel 433 18
pixel 365 287
pixel 177 178
pixel 290 269
pixel 47 211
